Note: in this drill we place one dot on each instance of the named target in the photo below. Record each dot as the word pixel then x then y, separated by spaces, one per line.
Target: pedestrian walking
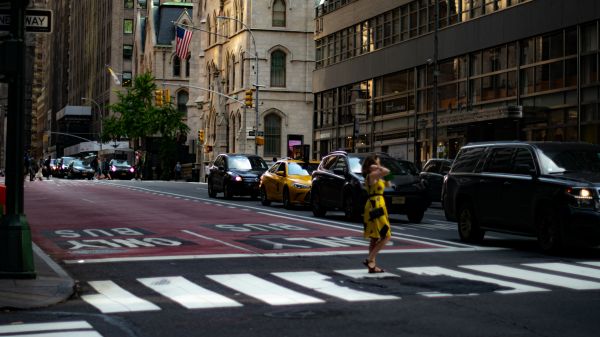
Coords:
pixel 376 221
pixel 106 169
pixel 178 171
pixel 96 166
pixel 47 169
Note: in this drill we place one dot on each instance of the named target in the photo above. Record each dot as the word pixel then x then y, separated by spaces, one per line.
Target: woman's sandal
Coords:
pixel 374 269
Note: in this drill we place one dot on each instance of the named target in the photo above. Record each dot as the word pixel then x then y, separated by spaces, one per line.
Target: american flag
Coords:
pixel 182 42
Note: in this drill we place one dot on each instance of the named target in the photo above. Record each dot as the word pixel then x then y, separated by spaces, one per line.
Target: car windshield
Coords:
pixel 247 163
pixel 580 159
pixel 408 167
pixel 77 162
pixel 120 163
pixel 296 169
pixel 389 163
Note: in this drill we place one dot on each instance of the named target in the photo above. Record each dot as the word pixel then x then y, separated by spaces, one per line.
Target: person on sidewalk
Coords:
pixel 96 167
pixel 376 221
pixel 178 171
pixel 47 168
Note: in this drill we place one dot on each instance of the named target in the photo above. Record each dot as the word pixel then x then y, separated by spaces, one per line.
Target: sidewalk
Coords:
pixel 52 285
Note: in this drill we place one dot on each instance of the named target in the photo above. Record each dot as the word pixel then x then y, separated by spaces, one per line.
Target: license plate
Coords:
pixel 398 200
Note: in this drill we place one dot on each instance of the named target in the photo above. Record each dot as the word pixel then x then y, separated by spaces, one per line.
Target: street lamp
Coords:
pixel 99 112
pixel 255 84
pixel 436 73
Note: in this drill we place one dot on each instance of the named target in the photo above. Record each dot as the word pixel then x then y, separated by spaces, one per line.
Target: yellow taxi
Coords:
pixel 287 181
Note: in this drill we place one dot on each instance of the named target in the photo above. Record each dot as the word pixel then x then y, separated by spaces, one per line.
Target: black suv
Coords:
pixel 547 189
pixel 433 175
pixel 338 184
pixel 235 174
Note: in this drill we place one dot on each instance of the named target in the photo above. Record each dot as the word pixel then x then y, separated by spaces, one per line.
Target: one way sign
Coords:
pixel 36 20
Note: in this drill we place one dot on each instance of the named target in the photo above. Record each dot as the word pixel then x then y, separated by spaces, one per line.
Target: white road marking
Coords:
pixel 364 273
pixel 595 264
pixel 567 268
pixel 556 280
pixel 186 293
pixel 60 334
pixel 263 290
pixel 437 271
pixel 112 298
pixel 217 240
pixel 20 328
pixel 323 284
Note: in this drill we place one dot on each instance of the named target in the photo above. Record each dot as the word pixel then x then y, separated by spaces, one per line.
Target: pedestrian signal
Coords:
pixel 167 96
pixel 158 97
pixel 201 136
pixel 248 97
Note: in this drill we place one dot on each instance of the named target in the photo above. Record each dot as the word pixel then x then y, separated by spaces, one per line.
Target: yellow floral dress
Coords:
pixel 379 227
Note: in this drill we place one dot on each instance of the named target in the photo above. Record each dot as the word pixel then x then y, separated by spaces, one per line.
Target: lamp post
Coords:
pixel 99 112
pixel 435 79
pixel 255 84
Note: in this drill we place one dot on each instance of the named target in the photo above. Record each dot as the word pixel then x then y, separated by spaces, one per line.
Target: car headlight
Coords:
pixel 582 198
pixel 131 169
pixel 300 186
pixel 113 168
pixel 237 178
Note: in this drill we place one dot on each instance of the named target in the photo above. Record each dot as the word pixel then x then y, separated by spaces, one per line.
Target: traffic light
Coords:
pixel 167 96
pixel 260 140
pixel 248 98
pixel 201 136
pixel 158 97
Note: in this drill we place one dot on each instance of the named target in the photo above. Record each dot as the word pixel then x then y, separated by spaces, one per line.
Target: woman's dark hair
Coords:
pixel 366 166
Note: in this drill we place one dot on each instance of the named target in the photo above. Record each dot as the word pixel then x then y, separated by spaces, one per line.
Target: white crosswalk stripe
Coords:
pixel 186 293
pixel 323 284
pixel 533 276
pixel 53 329
pixel 111 298
pixel 263 290
pixel 568 269
pixel 436 271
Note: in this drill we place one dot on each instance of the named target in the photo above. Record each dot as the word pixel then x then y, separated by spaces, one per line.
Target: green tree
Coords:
pixel 137 117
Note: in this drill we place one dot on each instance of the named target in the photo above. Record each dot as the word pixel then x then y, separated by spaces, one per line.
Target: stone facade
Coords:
pixel 283 34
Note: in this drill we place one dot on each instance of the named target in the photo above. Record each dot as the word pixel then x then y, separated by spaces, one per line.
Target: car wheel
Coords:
pixel 227 192
pixel 468 226
pixel 315 203
pixel 351 212
pixel 264 200
pixel 549 230
pixel 211 190
pixel 287 204
pixel 415 216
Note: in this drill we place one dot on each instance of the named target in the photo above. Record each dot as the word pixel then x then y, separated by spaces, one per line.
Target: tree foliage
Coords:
pixel 136 117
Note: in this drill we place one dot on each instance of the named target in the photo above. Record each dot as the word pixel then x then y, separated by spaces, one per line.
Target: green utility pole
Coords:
pixel 16 255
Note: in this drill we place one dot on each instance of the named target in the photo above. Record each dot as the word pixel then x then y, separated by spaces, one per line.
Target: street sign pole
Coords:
pixel 16 255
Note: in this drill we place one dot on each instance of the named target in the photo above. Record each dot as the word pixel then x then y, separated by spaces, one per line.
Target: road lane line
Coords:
pixel 567 268
pixel 21 328
pixel 112 298
pixel 217 240
pixel 438 271
pixel 534 276
pixel 323 284
pixel 61 334
pixel 263 290
pixel 186 293
pixel 212 201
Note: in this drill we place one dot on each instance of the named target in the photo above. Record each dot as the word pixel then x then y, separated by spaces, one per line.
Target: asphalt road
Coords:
pixel 163 259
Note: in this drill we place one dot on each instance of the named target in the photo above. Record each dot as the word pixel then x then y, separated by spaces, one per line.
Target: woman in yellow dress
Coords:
pixel 375 218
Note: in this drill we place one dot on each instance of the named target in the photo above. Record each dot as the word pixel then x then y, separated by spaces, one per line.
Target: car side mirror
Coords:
pixel 339 172
pixel 524 169
pixel 281 173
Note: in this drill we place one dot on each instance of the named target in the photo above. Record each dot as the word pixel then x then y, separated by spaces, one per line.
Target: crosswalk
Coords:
pixel 51 329
pixel 348 285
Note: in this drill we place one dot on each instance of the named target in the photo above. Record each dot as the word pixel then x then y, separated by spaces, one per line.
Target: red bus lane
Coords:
pixel 97 222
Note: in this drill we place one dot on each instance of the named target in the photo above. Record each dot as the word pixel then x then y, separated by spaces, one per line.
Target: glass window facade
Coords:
pixel 411 20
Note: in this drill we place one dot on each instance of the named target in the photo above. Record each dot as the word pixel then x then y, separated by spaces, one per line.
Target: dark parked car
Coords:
pixel 548 190
pixel 338 184
pixel 235 174
pixel 78 169
pixel 63 166
pixel 433 175
pixel 120 169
